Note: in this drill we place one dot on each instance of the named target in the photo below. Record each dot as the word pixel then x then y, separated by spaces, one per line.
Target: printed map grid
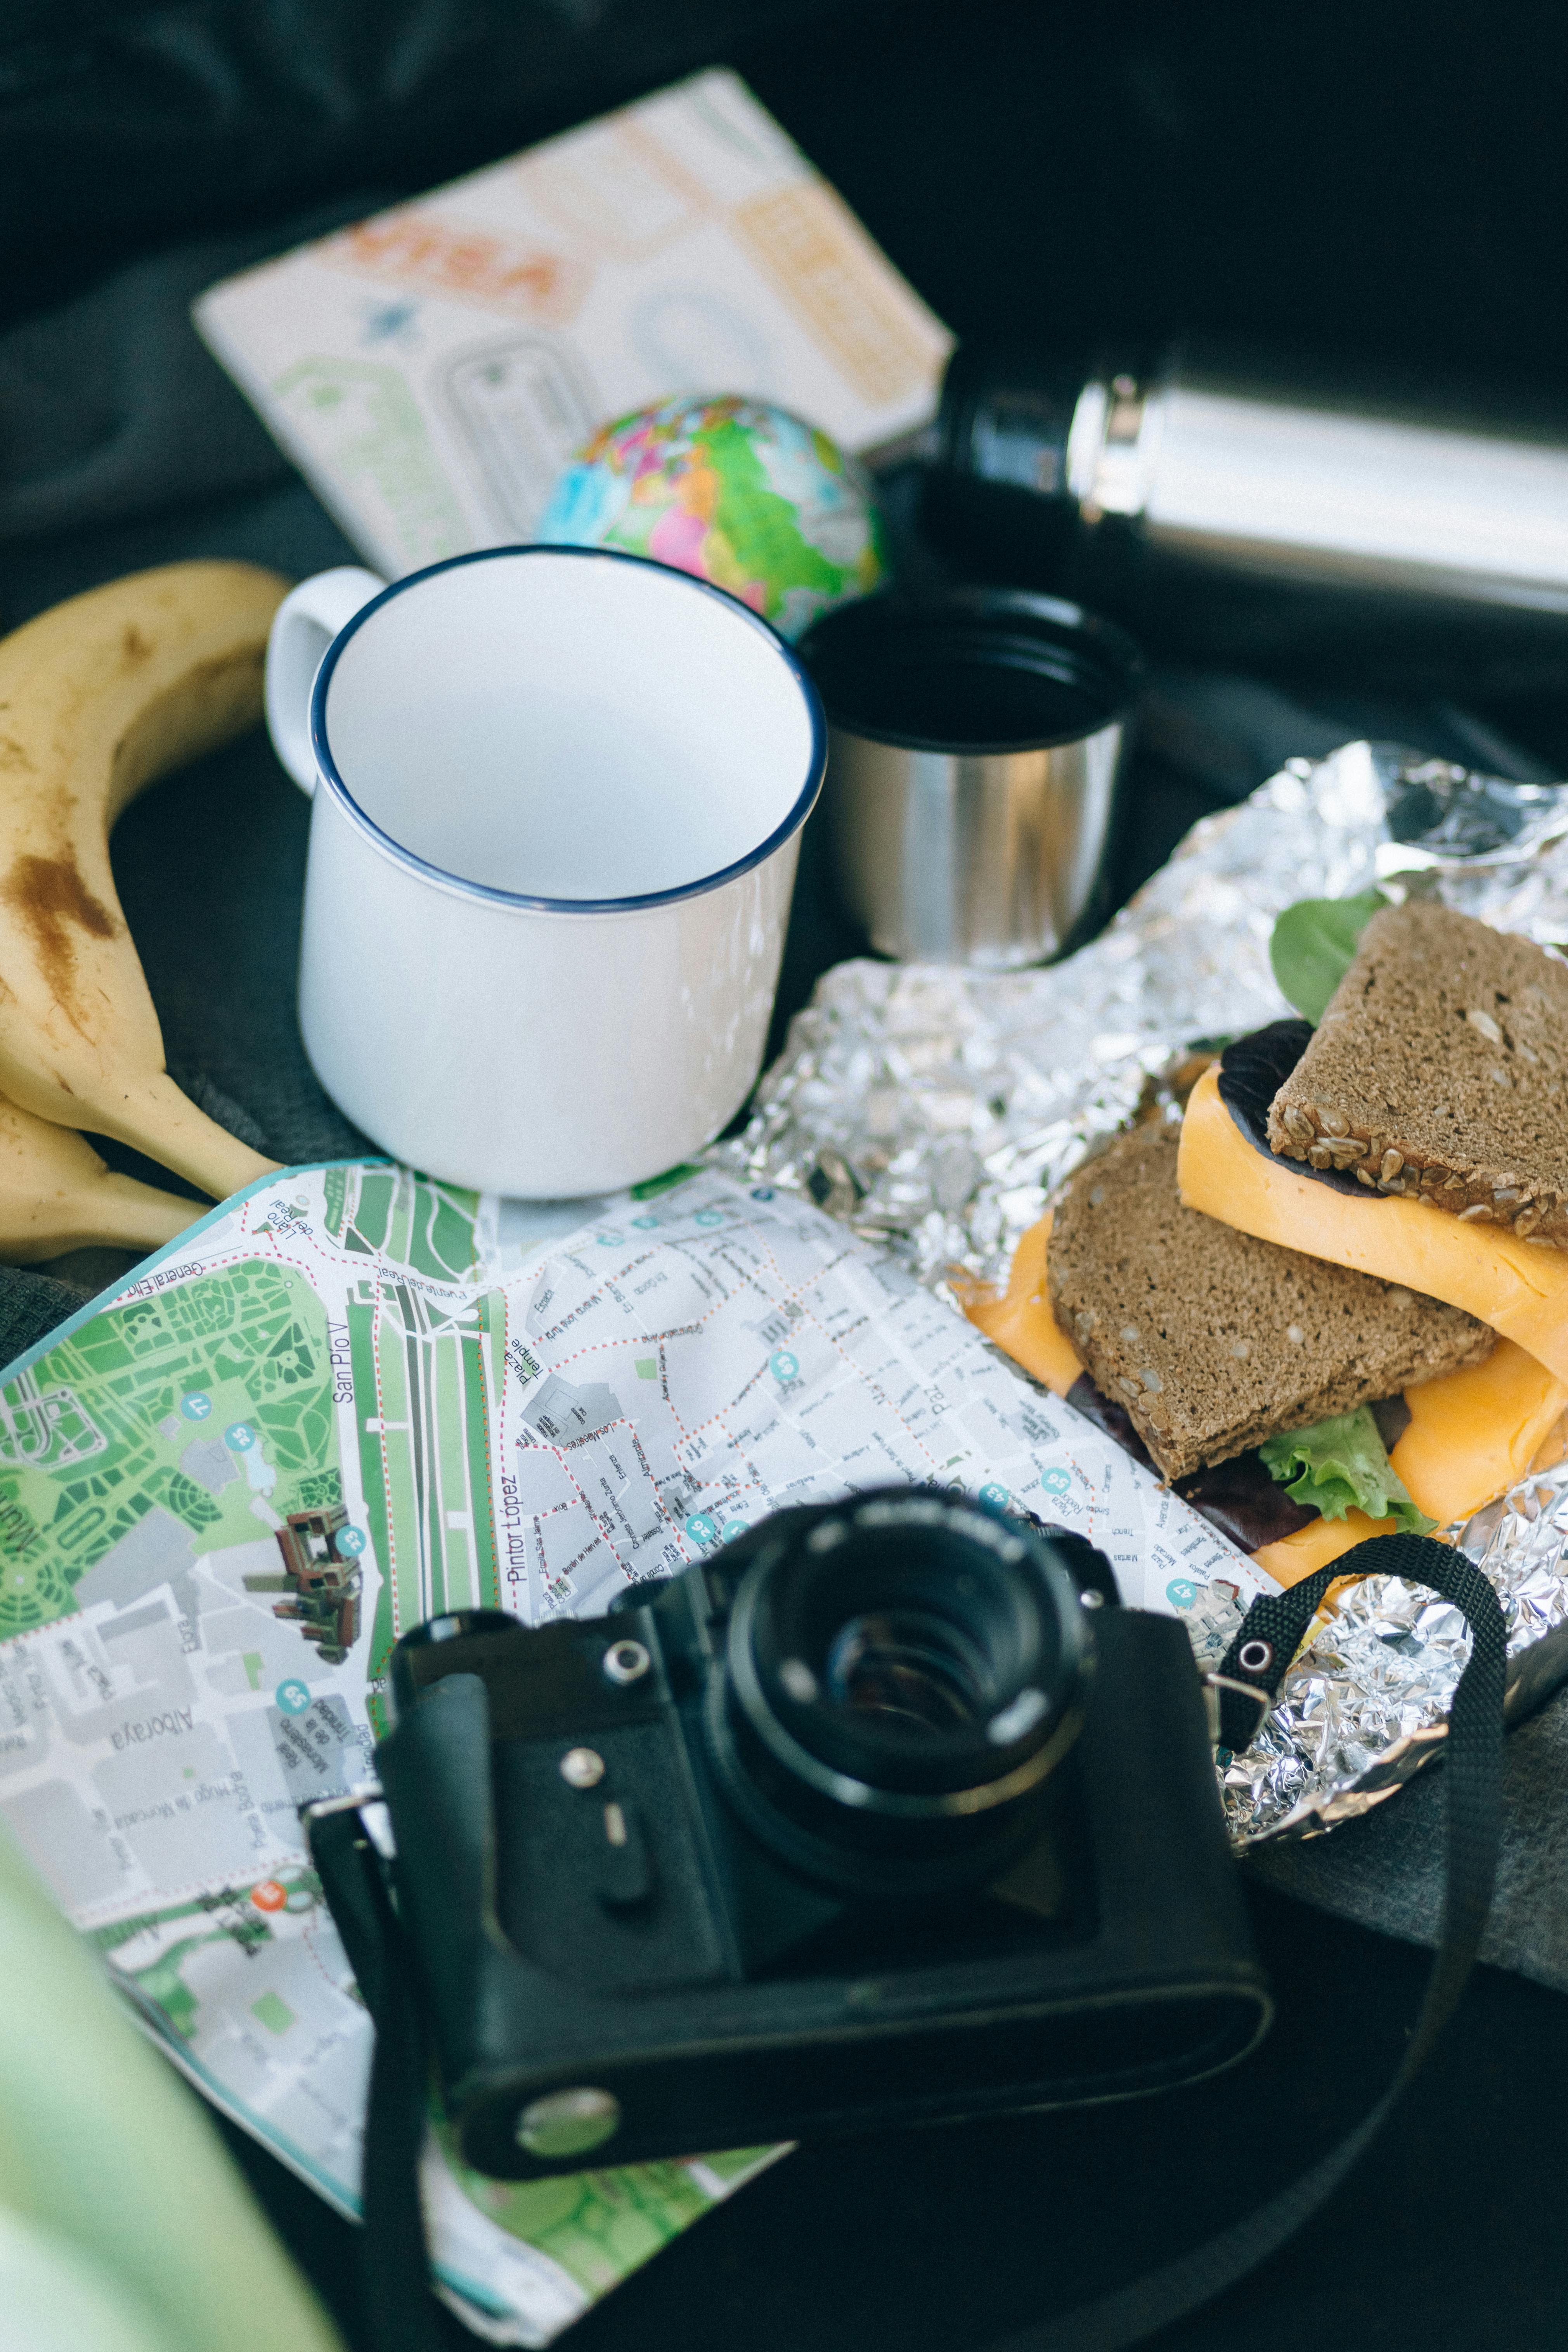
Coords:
pixel 358 1359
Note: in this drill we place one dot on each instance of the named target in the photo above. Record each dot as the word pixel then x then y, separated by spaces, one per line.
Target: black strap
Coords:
pixel 394 2254
pixel 1276 1624
pixel 403 2312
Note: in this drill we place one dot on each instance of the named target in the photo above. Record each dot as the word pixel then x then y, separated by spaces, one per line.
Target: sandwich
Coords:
pixel 1395 1165
pixel 1418 1132
pixel 1296 1404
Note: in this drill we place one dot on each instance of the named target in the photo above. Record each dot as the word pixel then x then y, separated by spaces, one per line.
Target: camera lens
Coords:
pixel 900 1675
pixel 909 1667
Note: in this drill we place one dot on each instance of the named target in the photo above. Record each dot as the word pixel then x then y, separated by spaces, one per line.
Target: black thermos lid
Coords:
pixel 998 491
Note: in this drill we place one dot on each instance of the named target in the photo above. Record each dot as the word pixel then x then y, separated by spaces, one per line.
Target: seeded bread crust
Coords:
pixel 1214 1340
pixel 1440 1071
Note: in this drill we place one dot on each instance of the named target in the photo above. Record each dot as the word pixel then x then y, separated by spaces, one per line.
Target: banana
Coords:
pixel 98 699
pixel 55 1195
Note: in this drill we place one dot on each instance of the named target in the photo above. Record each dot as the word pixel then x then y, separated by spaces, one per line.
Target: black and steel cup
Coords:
pixel 976 742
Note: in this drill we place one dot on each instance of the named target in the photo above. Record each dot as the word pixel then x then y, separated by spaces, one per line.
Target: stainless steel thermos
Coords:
pixel 1215 506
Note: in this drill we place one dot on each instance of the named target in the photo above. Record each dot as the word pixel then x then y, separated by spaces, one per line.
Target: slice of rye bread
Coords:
pixel 1440 1070
pixel 1214 1340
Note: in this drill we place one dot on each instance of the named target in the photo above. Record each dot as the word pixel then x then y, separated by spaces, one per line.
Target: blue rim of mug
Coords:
pixel 816 763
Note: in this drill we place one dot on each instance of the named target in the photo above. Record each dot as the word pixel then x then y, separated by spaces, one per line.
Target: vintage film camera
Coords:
pixel 885 1812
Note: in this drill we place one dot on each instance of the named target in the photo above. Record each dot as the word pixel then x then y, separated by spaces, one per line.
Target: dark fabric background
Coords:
pixel 1371 185
pixel 1383 182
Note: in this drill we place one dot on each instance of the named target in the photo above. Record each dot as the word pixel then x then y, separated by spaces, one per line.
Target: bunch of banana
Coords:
pixel 98 699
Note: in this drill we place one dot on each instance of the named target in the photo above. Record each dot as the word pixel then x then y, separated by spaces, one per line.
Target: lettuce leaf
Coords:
pixel 1313 946
pixel 1341 1465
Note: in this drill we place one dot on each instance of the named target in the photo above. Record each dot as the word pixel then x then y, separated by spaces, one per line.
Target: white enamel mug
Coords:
pixel 557 800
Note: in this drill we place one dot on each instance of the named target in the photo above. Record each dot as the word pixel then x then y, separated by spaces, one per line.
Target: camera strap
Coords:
pixel 394 2253
pixel 1248 1680
pixel 403 2312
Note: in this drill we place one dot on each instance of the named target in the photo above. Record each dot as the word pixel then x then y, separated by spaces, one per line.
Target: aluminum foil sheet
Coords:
pixel 937 1111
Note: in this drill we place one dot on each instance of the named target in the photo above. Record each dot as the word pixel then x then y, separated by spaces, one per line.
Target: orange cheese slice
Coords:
pixel 1294 1557
pixel 1520 1289
pixel 1022 1323
pixel 1473 1433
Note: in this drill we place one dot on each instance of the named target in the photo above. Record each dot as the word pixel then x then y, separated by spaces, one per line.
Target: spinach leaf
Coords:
pixel 1341 1465
pixel 1314 945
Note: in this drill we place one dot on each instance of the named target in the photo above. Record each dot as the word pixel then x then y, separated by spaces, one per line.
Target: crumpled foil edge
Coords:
pixel 1364 1704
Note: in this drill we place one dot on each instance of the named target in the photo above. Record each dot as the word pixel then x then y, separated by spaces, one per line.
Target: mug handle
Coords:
pixel 303 627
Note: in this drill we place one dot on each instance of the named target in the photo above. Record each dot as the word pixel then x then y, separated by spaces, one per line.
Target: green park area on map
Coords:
pixel 600 2225
pixel 229 1913
pixel 160 1399
pixel 155 1403
pixel 426 1373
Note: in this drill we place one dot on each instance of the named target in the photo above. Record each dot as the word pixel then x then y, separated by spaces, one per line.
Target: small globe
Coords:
pixel 736 492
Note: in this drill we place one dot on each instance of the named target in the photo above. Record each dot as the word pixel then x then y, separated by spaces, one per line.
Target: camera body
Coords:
pixel 884 1813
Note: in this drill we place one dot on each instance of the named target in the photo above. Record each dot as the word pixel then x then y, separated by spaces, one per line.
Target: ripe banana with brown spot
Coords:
pixel 55 1195
pixel 99 697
